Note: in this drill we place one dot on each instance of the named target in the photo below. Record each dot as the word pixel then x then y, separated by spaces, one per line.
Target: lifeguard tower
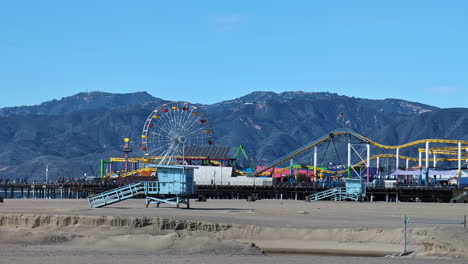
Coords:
pixel 174 186
pixel 355 189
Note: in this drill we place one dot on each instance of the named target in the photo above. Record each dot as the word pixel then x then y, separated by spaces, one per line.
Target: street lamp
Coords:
pixel 183 140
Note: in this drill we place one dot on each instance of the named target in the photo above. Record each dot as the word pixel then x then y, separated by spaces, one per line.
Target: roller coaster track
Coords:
pixel 216 163
pixel 356 135
pixel 133 172
pixel 109 174
pixel 279 170
pixel 446 150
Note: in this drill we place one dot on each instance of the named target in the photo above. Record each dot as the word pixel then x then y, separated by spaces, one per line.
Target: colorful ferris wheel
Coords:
pixel 173 127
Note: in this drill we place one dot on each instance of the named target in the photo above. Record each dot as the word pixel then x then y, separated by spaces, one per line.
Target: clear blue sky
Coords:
pixel 208 51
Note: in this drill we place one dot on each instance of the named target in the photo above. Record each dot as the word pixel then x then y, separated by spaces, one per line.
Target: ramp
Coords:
pixel 459 197
pixel 117 195
pixel 325 194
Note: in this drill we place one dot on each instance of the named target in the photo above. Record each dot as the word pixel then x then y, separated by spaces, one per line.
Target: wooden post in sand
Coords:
pixel 405 221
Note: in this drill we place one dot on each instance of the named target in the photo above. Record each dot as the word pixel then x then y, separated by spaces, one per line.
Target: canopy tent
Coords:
pixel 446 173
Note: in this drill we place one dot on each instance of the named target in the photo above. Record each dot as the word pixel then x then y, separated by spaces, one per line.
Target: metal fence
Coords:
pixel 407 220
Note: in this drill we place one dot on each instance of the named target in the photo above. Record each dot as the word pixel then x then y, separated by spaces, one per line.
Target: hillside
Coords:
pixel 73 133
pixel 80 102
pixel 451 123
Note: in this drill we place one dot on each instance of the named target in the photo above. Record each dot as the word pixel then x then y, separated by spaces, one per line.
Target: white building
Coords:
pixel 212 175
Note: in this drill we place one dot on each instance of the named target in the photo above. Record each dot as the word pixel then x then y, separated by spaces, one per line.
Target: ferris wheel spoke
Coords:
pixel 168 150
pixel 160 137
pixel 156 134
pixel 168 156
pixel 177 114
pixel 164 156
pixel 190 115
pixel 187 116
pixel 180 116
pixel 190 124
pixel 160 141
pixel 169 116
pixel 168 125
pixel 161 131
pixel 161 144
pixel 199 129
pixel 182 125
pixel 175 121
pixel 166 131
pixel 195 131
pixel 160 150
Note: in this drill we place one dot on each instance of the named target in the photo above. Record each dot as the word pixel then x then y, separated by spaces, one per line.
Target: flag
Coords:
pixel 341 116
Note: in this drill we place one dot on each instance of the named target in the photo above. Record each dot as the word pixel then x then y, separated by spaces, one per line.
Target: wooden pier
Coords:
pixel 300 192
pixel 51 191
pixel 280 191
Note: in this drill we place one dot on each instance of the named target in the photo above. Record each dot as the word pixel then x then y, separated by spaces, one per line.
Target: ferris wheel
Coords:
pixel 172 127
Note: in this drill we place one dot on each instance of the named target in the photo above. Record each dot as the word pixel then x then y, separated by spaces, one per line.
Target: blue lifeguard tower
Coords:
pixel 354 189
pixel 174 186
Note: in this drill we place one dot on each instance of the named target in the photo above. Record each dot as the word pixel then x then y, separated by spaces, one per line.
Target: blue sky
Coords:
pixel 209 51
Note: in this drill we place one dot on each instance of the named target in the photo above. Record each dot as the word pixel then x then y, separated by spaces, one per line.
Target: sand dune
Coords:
pixel 171 232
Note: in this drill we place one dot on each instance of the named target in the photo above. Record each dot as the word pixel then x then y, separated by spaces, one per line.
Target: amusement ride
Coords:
pixel 173 126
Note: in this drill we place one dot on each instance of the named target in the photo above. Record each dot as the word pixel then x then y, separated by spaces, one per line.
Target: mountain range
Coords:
pixel 72 134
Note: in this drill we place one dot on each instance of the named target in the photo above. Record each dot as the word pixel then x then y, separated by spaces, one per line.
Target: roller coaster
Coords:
pixel 451 153
pixel 454 153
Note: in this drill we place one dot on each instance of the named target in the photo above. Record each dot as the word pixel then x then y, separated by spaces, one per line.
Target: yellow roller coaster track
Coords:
pixel 217 163
pixel 353 133
pixel 279 170
pixel 133 172
pixel 447 151
pixel 109 174
pixel 464 148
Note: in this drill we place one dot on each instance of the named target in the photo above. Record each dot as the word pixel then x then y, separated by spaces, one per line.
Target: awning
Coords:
pixel 452 173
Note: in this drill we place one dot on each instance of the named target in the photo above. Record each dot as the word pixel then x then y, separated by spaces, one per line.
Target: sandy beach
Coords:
pixel 229 231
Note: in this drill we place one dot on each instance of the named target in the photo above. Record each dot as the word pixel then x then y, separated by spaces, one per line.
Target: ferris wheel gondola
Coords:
pixel 172 127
